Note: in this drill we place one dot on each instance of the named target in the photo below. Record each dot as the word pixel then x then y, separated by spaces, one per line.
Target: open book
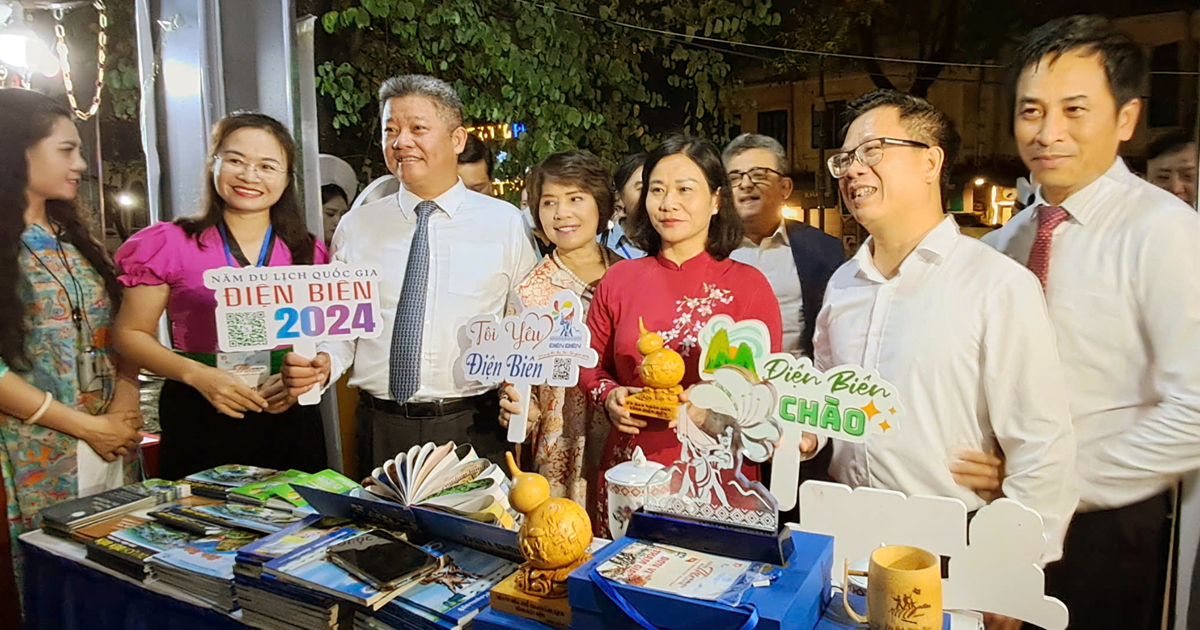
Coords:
pixel 447 477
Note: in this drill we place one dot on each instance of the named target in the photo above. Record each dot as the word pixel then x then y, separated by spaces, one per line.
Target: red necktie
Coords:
pixel 1049 217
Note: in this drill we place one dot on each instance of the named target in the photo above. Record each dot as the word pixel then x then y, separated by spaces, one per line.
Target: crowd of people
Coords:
pixel 1051 363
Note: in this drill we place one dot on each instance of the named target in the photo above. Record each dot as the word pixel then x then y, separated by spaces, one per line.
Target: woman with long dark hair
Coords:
pixel 62 388
pixel 687 225
pixel 251 217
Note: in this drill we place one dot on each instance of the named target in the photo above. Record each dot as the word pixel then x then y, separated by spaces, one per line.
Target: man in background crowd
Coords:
pixel 1172 165
pixel 475 166
pixel 796 258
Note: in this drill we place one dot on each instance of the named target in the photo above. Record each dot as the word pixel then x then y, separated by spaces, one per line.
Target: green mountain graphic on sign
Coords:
pixel 720 353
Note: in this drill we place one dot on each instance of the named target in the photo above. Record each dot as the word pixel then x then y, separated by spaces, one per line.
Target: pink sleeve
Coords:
pixel 320 252
pixel 152 256
pixel 597 382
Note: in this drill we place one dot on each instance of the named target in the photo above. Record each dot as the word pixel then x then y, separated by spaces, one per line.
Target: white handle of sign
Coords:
pixel 308 350
pixel 785 467
pixel 517 424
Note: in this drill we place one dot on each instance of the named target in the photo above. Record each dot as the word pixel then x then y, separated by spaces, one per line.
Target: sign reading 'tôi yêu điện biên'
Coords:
pixel 540 346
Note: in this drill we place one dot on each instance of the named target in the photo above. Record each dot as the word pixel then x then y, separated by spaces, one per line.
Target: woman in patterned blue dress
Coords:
pixel 62 388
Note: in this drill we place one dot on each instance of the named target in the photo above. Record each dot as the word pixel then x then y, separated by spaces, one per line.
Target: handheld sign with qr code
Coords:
pixel 540 346
pixel 262 308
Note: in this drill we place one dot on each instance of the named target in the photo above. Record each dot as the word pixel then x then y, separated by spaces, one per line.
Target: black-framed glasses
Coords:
pixel 868 154
pixel 759 175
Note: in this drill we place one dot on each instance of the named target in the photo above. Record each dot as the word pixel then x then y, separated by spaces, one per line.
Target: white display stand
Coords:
pixel 996 573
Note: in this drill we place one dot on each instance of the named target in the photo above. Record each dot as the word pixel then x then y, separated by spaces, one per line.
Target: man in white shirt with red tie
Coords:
pixel 959 329
pixel 1119 262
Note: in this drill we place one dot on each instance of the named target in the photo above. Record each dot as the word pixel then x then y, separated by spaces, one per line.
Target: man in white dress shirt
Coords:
pixel 796 258
pixel 447 254
pixel 1119 261
pixel 961 330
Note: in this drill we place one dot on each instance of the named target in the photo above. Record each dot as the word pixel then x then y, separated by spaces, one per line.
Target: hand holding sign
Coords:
pixel 541 346
pixel 262 308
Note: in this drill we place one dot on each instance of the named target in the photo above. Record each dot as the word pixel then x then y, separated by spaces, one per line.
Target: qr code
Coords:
pixel 247 330
pixel 562 370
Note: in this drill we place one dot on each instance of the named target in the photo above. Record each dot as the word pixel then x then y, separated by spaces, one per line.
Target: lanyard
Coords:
pixel 78 317
pixel 263 252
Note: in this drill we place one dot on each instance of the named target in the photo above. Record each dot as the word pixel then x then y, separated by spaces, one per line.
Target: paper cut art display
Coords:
pixel 729 417
pixel 540 346
pixel 997 573
pixel 262 308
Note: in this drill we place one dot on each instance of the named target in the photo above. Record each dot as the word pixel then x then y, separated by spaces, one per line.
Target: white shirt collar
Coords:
pixel 448 201
pixel 1086 202
pixel 780 236
pixel 934 249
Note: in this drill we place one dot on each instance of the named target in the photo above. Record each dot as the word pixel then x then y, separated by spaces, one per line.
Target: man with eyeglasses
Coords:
pixel 960 329
pixel 796 258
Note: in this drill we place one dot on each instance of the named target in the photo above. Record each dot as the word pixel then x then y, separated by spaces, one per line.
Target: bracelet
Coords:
pixel 41 411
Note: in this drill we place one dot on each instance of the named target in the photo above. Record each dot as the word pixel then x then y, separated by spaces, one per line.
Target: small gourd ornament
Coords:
pixel 554 537
pixel 661 370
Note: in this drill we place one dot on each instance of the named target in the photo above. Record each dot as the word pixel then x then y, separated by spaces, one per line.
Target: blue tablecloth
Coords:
pixel 64 591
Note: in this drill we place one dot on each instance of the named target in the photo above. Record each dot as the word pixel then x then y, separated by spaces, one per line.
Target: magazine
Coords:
pixel 462 586
pixel 674 570
pixel 251 517
pixel 448 477
pixel 308 567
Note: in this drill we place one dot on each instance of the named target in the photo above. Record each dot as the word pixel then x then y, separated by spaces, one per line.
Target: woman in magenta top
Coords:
pixel 688 226
pixel 209 416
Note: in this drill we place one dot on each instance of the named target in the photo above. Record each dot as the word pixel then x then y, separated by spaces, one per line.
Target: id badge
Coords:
pixel 91 369
pixel 254 368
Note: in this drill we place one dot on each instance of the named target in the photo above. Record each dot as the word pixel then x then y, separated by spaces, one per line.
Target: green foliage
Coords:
pixel 573 81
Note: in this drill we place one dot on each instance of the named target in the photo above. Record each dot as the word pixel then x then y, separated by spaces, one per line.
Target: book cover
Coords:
pixel 106 527
pixel 308 567
pixel 253 518
pixel 120 500
pixel 308 530
pixel 259 491
pixel 675 570
pixel 154 536
pixel 173 517
pixel 461 587
pixel 232 475
pixel 212 556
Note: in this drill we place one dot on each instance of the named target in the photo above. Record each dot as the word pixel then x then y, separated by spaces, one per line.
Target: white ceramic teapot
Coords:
pixel 627 490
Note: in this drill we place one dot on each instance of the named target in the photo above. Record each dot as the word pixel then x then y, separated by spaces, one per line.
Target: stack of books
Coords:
pixel 274 605
pixel 447 600
pixel 64 519
pixel 264 487
pixel 129 550
pixel 204 567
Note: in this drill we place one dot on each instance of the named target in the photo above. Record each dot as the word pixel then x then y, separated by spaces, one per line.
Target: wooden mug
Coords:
pixel 904 590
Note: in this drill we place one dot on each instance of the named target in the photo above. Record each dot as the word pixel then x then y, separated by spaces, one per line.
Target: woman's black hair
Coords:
pixel 27 118
pixel 286 219
pixel 725 230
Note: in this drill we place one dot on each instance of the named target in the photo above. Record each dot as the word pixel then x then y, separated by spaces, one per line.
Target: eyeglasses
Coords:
pixel 868 154
pixel 235 165
pixel 759 175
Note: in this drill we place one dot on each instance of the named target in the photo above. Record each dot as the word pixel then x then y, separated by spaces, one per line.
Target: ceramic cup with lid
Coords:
pixel 627 490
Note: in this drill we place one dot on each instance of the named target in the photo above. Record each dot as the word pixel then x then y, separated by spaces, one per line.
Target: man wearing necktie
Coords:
pixel 960 329
pixel 1118 261
pixel 447 254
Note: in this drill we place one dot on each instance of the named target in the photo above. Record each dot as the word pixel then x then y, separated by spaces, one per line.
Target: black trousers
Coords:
pixel 195 436
pixel 386 429
pixel 1114 568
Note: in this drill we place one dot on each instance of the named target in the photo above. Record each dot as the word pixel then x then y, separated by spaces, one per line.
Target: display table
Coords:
pixel 66 591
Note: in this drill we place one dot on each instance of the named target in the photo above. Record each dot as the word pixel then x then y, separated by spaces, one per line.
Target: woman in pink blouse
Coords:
pixel 571 196
pixel 688 226
pixel 251 217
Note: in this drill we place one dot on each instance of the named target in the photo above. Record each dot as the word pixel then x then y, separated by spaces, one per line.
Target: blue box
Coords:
pixel 794 601
pixel 491 619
